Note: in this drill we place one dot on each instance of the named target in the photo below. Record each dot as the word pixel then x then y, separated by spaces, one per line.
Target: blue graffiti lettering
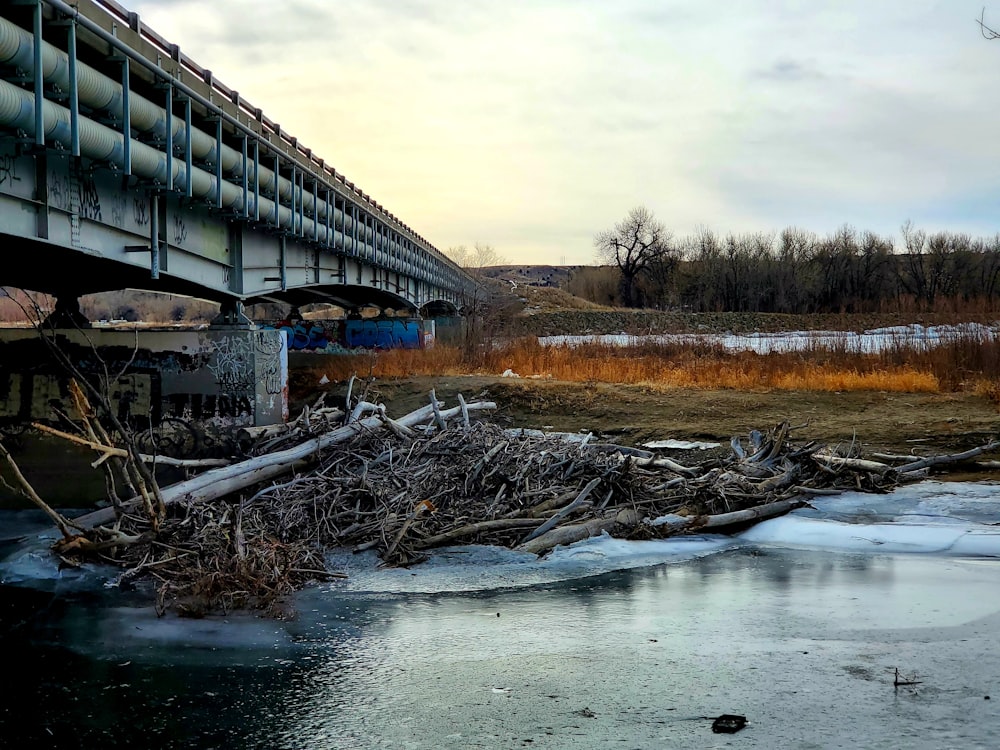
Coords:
pixel 382 334
pixel 379 333
pixel 303 335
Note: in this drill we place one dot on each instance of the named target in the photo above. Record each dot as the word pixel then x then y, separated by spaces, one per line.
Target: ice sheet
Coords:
pixel 796 532
pixel 482 568
pixel 873 340
pixel 928 518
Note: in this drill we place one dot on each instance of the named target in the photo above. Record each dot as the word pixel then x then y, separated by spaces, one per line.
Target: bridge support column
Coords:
pixel 231 315
pixel 215 378
pixel 66 313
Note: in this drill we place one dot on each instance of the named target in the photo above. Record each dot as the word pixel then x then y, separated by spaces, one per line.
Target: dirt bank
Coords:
pixel 897 422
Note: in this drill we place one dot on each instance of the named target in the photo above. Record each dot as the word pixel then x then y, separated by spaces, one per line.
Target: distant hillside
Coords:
pixel 540 288
pixel 556 276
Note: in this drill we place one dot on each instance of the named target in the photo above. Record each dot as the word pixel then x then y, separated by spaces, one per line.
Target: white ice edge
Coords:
pixel 795 532
pixel 928 518
pixel 873 340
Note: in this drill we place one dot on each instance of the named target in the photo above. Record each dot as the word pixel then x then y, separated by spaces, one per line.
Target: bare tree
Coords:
pixel 484 255
pixel 914 274
pixel 632 245
pixel 459 254
pixel 658 278
pixel 481 255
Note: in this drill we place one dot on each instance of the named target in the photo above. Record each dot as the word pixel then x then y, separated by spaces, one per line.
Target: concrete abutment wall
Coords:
pixel 219 377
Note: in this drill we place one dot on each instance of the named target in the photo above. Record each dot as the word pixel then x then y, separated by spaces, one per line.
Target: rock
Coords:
pixel 729 724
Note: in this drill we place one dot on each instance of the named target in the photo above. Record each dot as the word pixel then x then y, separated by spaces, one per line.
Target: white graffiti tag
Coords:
pixel 268 348
pixel 233 363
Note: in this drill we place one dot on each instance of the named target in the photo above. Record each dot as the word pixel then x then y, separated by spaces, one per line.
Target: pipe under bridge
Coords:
pixel 123 164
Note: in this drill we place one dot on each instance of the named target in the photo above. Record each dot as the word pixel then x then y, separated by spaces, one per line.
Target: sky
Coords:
pixel 531 125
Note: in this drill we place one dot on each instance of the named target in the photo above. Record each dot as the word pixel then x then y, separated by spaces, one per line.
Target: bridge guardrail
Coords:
pixel 104 21
pixel 303 156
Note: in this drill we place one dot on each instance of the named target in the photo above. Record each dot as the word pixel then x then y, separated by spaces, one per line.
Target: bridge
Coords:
pixel 124 164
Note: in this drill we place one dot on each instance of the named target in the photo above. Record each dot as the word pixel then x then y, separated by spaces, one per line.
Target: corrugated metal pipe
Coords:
pixel 102 143
pixel 101 93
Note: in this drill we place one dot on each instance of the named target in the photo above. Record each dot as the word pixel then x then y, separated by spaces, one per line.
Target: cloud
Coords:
pixel 532 126
pixel 788 71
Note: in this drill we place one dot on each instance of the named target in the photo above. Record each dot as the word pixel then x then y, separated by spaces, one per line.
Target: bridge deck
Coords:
pixel 125 164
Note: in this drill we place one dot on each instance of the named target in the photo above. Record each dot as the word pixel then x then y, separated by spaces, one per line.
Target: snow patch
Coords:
pixel 795 532
pixel 680 445
pixel 874 340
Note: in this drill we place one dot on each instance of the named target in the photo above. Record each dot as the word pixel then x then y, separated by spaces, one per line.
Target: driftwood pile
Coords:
pixel 244 535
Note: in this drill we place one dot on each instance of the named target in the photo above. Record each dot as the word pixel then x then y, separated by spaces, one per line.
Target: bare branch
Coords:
pixel 988 32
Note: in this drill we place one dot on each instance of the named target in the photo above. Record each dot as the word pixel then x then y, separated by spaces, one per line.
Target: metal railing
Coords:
pixel 267 137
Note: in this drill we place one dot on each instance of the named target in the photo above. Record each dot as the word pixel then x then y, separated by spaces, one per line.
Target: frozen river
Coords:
pixel 798 624
pixel 913 335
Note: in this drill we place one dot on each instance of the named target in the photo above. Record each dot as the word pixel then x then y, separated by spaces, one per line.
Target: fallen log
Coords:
pixel 674 524
pixel 107 451
pixel 564 513
pixel 926 463
pixel 481 527
pixel 564 535
pixel 422 506
pixel 662 462
pixel 547 506
pixel 528 432
pixel 857 464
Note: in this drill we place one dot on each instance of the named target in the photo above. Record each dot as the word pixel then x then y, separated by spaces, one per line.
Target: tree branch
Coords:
pixel 988 33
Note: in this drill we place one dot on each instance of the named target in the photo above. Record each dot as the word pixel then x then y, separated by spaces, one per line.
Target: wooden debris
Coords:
pixel 24 488
pixel 901 681
pixel 107 451
pixel 237 536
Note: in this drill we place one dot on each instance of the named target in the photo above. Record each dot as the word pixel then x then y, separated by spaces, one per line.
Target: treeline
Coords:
pixel 796 271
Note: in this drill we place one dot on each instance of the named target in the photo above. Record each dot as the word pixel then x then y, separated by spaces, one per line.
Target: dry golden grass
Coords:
pixel 968 364
pixel 554 299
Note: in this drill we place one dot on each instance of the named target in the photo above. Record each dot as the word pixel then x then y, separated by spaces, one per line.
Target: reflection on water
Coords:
pixel 803 643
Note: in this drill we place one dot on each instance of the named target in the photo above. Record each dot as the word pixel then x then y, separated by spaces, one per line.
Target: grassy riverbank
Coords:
pixel 967 363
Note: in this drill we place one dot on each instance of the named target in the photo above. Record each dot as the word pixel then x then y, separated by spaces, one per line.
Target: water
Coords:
pixel 799 625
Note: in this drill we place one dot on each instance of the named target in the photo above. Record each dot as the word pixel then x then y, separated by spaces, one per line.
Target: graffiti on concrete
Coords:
pixel 119 203
pixel 222 381
pixel 209 407
pixel 59 190
pixel 233 364
pixel 186 438
pixel 90 199
pixel 268 350
pixel 368 333
pixel 140 211
pixel 304 334
pixel 8 169
pixel 45 396
pixel 180 230
pixel 382 333
pixel 132 393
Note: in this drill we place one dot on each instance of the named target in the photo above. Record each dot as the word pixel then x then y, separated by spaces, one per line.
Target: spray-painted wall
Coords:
pixel 382 334
pixel 220 377
pixel 354 333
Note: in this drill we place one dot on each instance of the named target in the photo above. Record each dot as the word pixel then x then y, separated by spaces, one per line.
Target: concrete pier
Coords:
pixel 213 377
